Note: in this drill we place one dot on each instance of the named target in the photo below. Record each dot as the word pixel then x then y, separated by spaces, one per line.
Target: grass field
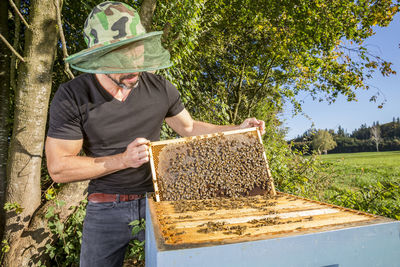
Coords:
pixel 368 182
pixel 356 170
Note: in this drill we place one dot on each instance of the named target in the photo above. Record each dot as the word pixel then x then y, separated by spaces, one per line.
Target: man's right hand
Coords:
pixel 136 153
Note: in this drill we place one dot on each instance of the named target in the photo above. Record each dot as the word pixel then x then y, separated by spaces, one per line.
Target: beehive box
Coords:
pixel 265 229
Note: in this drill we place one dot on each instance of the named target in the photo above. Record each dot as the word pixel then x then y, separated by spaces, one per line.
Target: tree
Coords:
pixel 31 104
pixel 27 231
pixel 340 131
pixel 253 56
pixel 361 133
pixel 5 56
pixel 258 53
pixel 323 141
pixel 376 136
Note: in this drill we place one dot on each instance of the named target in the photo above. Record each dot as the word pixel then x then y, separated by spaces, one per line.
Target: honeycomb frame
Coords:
pixel 157 147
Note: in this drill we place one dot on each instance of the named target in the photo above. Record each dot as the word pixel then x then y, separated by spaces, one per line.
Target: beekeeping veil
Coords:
pixel 118 43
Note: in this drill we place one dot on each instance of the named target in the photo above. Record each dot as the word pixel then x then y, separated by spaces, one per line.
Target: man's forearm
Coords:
pixel 184 125
pixel 79 168
pixel 208 128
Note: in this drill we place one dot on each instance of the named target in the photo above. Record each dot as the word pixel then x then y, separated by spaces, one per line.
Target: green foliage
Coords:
pixel 65 251
pixel 323 141
pixel 364 181
pixel 300 175
pixel 239 59
pixel 137 226
pixel 268 50
pixel 348 144
pixel 356 170
pixel 381 198
pixel 358 141
pixel 292 171
pixel 5 247
pixel 390 130
pixel 50 193
pixel 135 252
pixel 351 145
pixel 13 207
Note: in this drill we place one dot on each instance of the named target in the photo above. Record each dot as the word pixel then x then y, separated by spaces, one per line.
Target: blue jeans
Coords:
pixel 106 232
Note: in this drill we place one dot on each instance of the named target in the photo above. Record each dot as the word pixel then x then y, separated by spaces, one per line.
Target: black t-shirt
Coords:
pixel 83 109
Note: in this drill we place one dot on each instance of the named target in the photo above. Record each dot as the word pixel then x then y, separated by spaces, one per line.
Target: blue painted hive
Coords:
pixel 273 229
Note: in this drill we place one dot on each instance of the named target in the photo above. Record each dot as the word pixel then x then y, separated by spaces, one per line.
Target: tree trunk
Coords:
pixel 5 56
pixel 14 59
pixel 28 233
pixel 146 13
pixel 239 96
pixel 31 105
pixel 30 247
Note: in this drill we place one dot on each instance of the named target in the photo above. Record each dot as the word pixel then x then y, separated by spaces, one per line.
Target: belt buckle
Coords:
pixel 123 198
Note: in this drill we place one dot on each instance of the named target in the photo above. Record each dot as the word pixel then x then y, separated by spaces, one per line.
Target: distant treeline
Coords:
pixel 357 141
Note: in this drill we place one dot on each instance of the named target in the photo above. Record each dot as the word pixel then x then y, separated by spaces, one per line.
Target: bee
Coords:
pixel 217 166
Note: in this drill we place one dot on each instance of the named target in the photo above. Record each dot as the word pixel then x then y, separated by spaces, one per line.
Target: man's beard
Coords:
pixel 122 85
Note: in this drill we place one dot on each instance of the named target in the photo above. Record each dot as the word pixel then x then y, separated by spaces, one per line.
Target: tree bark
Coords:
pixel 14 59
pixel 255 96
pixel 30 116
pixel 239 95
pixel 146 13
pixel 376 136
pixel 5 56
pixel 30 247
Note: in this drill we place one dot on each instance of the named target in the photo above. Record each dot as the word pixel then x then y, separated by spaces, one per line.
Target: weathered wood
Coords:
pixel 154 175
pixel 184 139
pixel 293 215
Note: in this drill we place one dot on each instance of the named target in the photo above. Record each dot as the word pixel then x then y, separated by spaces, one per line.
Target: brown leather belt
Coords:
pixel 101 197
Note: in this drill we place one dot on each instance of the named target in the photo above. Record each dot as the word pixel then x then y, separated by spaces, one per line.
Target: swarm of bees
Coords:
pixel 218 216
pixel 219 166
pixel 211 227
pixel 219 203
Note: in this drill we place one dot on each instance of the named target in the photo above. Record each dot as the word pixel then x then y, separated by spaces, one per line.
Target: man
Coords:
pixel 112 112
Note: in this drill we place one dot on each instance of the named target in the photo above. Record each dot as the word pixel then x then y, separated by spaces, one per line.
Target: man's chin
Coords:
pixel 130 83
pixel 130 86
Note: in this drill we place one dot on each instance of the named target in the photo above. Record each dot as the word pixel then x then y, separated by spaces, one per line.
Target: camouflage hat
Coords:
pixel 118 43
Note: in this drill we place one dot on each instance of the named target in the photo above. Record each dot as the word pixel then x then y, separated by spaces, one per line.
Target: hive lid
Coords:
pixel 227 154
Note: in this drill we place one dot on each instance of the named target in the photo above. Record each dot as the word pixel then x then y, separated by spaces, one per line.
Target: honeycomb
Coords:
pixel 218 166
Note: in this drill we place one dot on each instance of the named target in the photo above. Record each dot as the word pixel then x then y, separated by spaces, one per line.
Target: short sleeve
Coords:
pixel 65 119
pixel 174 99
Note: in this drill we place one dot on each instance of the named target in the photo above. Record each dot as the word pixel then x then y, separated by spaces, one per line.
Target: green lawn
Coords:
pixel 355 170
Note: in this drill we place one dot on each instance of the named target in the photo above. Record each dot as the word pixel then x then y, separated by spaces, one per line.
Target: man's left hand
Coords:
pixel 253 122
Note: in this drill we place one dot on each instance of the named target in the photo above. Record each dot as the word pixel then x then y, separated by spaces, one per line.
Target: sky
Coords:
pixel 350 115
